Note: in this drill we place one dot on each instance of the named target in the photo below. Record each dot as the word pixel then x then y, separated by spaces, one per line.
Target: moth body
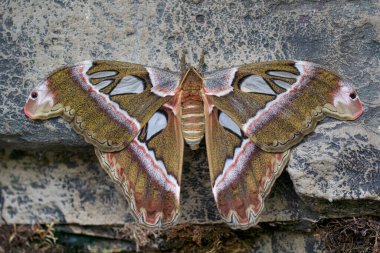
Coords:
pixel 192 107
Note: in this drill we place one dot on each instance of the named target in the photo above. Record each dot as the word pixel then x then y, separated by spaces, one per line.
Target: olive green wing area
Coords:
pixel 108 102
pixel 149 169
pixel 277 103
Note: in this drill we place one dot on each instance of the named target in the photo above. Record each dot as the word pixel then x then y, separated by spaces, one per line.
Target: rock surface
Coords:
pixel 62 181
pixel 347 167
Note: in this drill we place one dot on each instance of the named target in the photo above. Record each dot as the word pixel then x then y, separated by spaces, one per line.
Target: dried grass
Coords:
pixel 28 239
pixel 348 235
pixel 351 235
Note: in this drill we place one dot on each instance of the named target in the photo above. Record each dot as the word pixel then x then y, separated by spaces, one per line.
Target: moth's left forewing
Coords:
pixel 241 173
pixel 108 102
pixel 149 169
pixel 278 103
pixel 137 89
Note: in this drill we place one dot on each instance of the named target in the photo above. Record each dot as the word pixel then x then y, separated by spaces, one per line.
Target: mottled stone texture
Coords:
pixel 62 181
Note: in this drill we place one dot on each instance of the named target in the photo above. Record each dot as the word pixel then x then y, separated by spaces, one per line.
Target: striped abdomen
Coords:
pixel 193 119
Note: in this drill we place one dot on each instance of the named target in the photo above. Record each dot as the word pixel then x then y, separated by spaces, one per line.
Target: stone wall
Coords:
pixel 48 173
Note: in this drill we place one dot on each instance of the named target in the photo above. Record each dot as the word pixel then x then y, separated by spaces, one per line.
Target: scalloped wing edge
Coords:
pixel 111 171
pixel 232 218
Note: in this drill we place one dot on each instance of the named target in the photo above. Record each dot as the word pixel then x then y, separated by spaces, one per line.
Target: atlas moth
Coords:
pixel 138 119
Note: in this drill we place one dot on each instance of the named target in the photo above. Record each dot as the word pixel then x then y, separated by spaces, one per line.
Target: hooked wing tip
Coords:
pixel 26 111
pixel 40 102
pixel 348 111
pixel 359 110
pixel 31 107
pixel 346 102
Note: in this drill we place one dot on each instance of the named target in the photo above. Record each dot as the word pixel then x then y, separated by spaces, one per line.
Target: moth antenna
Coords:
pixel 182 64
pixel 202 65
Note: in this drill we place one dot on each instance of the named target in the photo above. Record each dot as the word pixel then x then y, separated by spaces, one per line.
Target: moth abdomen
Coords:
pixel 193 122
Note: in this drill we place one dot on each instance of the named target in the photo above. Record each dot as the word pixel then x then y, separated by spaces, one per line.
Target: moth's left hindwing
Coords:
pixel 149 169
pixel 130 114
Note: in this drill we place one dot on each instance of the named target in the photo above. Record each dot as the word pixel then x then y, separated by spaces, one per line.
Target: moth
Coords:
pixel 138 119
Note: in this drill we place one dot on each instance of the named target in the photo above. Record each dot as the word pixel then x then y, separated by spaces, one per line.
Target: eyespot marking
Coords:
pixel 34 95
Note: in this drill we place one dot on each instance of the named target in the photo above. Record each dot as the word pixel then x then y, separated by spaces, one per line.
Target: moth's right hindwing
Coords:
pixel 241 173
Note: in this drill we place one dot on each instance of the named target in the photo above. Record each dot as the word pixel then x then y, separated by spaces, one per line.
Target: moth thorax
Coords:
pixel 193 120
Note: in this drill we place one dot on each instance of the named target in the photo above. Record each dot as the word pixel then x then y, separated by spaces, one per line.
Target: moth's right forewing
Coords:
pixel 277 103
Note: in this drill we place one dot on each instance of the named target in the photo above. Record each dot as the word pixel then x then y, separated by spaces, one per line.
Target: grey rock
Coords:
pixel 340 161
pixel 65 187
pixel 40 36
pixel 70 187
pixel 63 182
